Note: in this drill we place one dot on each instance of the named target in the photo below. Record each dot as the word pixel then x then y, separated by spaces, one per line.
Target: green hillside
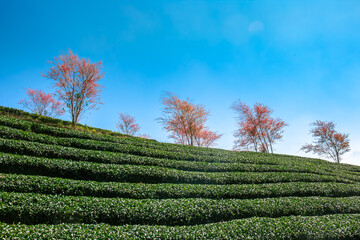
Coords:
pixel 57 182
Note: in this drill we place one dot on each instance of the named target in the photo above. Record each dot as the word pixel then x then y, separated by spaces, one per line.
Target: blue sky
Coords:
pixel 301 58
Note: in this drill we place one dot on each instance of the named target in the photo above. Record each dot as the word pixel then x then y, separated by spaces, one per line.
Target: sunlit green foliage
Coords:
pixel 57 182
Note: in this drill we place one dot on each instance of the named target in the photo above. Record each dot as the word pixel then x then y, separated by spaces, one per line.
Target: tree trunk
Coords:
pixel 337 157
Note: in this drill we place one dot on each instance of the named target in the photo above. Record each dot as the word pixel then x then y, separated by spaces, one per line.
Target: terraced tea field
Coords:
pixel 56 182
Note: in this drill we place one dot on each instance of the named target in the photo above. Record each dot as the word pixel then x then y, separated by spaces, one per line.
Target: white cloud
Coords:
pixel 192 19
pixel 297 22
pixel 234 28
pixel 256 27
pixel 210 21
pixel 138 23
pixel 352 158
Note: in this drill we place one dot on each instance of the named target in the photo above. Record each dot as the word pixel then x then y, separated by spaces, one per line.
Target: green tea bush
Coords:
pixel 84 182
pixel 51 185
pixel 32 208
pixel 10 163
pixel 15 123
pixel 84 152
pixel 182 152
pixel 337 226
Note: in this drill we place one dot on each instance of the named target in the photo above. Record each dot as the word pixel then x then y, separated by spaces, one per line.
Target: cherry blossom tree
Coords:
pixel 76 83
pixel 127 125
pixel 186 122
pixel 328 142
pixel 256 129
pixel 206 138
pixel 42 103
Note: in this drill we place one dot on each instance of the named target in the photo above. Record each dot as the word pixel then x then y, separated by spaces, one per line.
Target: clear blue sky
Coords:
pixel 301 58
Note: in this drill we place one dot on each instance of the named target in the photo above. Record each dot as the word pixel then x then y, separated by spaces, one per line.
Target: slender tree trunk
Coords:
pixel 255 145
pixel 337 157
pixel 191 139
pixel 73 121
pixel 270 144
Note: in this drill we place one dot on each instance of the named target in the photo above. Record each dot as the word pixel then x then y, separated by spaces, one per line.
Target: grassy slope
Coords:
pixel 57 182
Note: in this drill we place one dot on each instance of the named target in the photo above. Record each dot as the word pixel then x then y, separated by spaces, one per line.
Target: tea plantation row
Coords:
pixel 11 163
pixel 69 148
pixel 170 151
pixel 30 208
pixel 338 226
pixel 62 183
pixel 53 185
pixel 131 144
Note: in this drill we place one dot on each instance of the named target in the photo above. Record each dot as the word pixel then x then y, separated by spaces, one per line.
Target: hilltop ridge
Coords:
pixel 60 182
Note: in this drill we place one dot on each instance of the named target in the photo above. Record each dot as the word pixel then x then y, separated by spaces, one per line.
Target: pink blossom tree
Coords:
pixel 127 125
pixel 257 129
pixel 186 122
pixel 42 103
pixel 76 82
pixel 329 142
